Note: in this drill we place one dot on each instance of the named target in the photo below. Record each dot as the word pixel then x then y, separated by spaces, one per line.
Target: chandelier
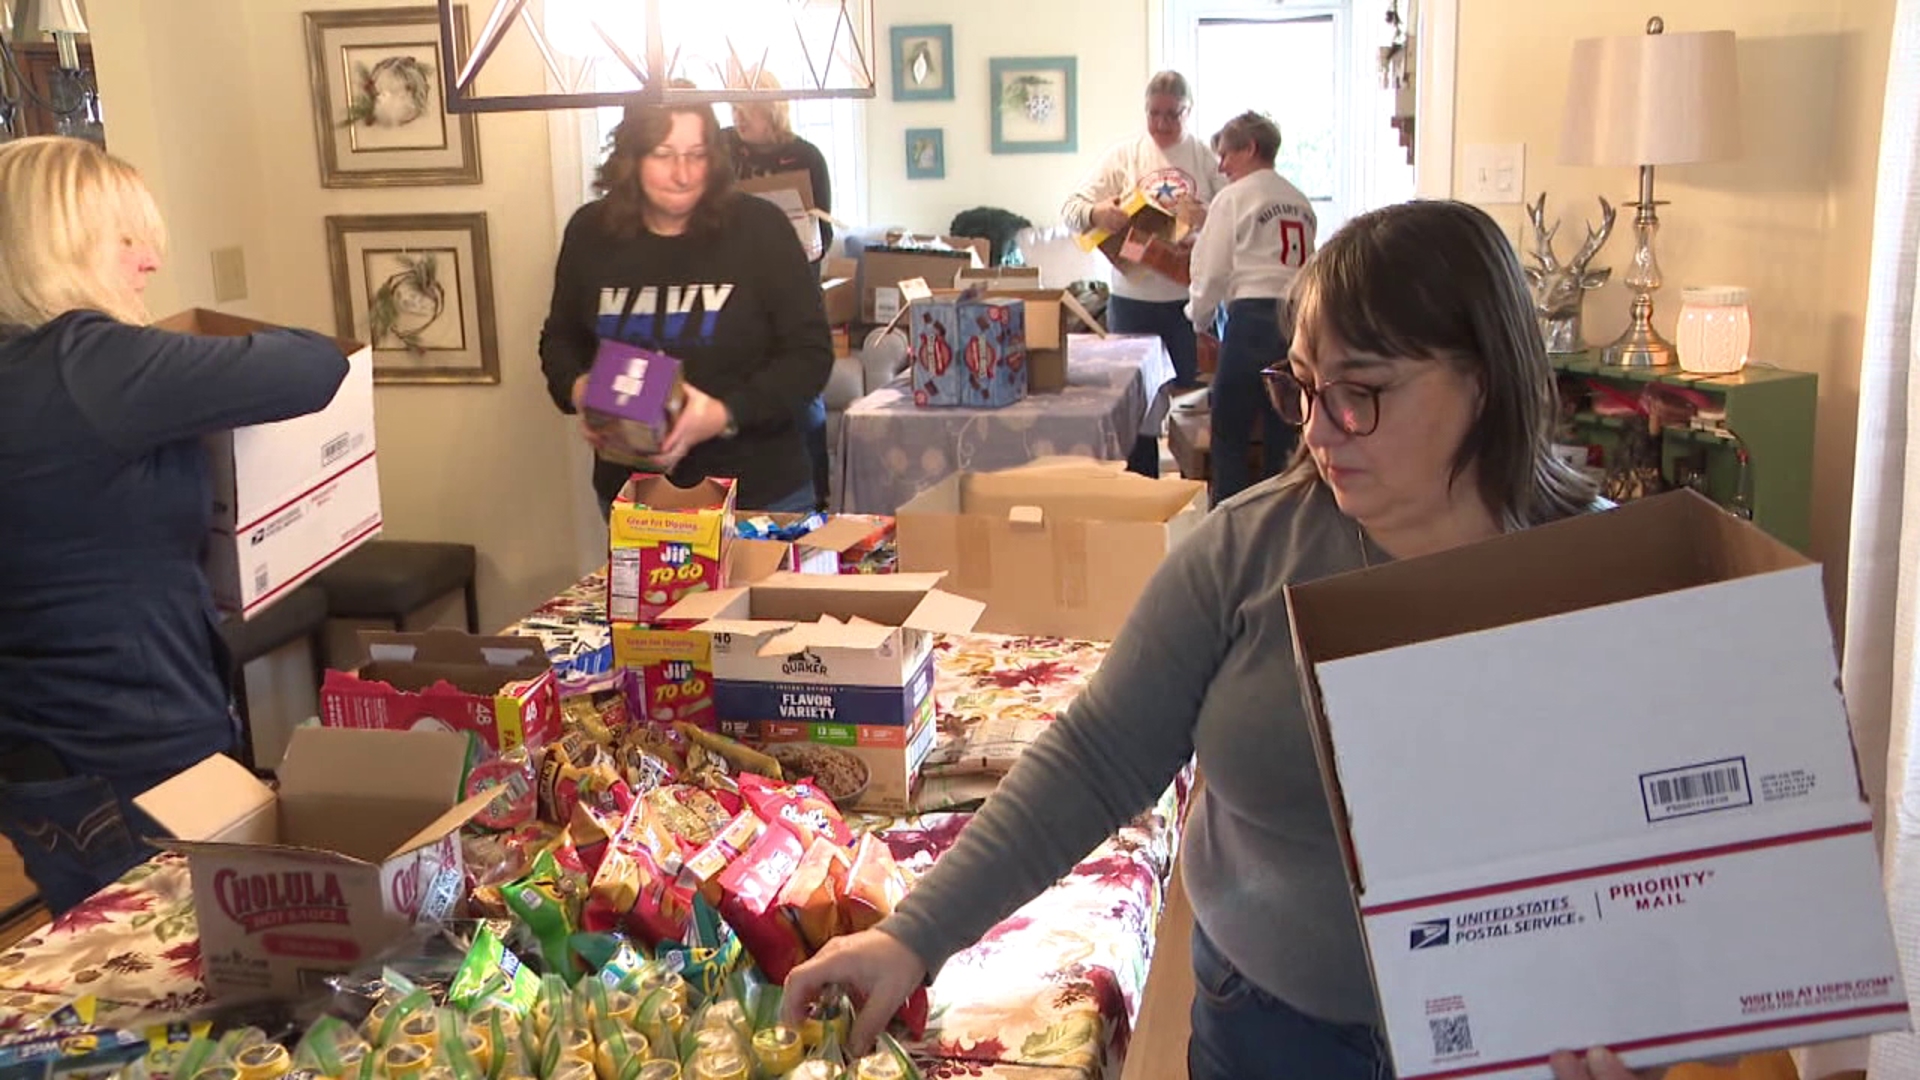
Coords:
pixel 604 52
pixel 70 98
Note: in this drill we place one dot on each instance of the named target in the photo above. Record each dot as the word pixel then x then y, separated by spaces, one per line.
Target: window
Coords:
pixel 1313 66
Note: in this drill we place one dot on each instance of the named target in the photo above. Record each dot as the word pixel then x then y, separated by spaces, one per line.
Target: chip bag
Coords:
pixel 548 900
pixel 875 885
pixel 710 953
pixel 749 890
pixel 799 806
pixel 811 897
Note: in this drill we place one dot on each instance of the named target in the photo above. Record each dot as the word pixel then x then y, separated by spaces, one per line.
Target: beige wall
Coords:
pixel 212 102
pixel 1792 219
pixel 1111 72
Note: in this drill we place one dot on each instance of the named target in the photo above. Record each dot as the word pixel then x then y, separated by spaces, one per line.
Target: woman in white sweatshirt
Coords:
pixel 1176 171
pixel 1258 233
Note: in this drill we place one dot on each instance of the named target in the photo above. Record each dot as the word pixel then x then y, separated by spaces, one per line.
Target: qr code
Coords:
pixel 1451 1035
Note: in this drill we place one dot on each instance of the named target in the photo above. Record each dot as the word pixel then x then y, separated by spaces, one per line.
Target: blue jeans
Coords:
pixel 1252 340
pixel 797 502
pixel 813 426
pixel 77 834
pixel 1168 322
pixel 1241 1032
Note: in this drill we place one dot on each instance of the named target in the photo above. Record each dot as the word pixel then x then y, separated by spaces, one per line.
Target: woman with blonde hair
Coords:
pixel 761 142
pixel 113 675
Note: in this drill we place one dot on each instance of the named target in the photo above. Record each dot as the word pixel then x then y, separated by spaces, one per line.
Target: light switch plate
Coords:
pixel 229 274
pixel 1494 173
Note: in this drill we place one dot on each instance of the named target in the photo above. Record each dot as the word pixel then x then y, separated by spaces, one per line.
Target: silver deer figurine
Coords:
pixel 1560 289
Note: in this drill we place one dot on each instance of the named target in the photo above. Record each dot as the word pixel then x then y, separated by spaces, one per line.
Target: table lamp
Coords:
pixel 1648 100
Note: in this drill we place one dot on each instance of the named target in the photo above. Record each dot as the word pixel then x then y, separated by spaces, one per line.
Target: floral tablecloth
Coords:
pixel 1049 994
pixel 891 449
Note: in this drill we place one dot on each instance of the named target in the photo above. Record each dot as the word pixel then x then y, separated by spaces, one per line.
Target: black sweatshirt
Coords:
pixel 738 306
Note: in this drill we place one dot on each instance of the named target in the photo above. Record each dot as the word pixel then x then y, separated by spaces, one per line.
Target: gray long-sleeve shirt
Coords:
pixel 1203 666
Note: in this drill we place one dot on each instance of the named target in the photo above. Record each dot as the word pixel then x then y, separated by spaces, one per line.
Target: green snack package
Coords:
pixel 708 957
pixel 540 901
pixel 492 975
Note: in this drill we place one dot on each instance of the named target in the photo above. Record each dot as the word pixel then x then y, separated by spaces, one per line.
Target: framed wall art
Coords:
pixel 1033 103
pixel 379 102
pixel 926 154
pixel 922 63
pixel 419 289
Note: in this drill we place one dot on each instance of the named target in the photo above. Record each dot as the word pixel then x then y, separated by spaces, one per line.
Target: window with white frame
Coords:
pixel 1312 65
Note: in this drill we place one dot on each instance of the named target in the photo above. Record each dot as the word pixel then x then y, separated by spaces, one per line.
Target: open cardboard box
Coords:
pixel 665 542
pixel 293 497
pixel 1562 836
pixel 1062 546
pixel 841 664
pixel 500 690
pixel 358 845
pixel 792 192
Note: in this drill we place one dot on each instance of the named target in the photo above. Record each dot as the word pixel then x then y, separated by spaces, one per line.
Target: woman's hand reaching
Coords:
pixel 875 968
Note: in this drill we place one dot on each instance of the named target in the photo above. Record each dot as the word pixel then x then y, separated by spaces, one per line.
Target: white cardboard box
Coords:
pixel 360 842
pixel 1597 787
pixel 291 497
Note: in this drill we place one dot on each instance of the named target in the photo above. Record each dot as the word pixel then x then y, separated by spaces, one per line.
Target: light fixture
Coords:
pixel 1715 330
pixel 1648 100
pixel 72 99
pixel 604 52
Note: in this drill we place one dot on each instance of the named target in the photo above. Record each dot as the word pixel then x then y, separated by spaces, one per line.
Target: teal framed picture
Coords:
pixel 1034 106
pixel 926 154
pixel 922 63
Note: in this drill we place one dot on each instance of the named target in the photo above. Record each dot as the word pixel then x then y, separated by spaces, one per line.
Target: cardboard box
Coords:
pixel 968 351
pixel 631 398
pixel 825 650
pixel 792 192
pixel 840 289
pixel 826 549
pixel 1047 312
pixel 673 664
pixel 1061 547
pixel 889 756
pixel 1561 836
pixel 850 630
pixel 1007 277
pixel 358 845
pixel 250 569
pixel 289 498
pixel 666 542
pixel 882 269
pixel 499 689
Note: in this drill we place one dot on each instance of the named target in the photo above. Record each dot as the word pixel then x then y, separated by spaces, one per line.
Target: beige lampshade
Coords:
pixel 62 17
pixel 1652 99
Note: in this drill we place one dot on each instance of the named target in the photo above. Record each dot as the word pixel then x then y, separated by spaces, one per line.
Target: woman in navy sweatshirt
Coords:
pixel 113 675
pixel 672 258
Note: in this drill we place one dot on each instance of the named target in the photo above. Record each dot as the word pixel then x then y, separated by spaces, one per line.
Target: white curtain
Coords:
pixel 1883 580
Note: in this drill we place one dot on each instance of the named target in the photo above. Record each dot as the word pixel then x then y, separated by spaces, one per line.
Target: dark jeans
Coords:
pixel 1168 322
pixel 799 502
pixel 813 425
pixel 78 834
pixel 1251 340
pixel 1241 1032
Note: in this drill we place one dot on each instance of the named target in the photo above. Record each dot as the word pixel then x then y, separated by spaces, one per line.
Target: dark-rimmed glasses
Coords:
pixel 1353 407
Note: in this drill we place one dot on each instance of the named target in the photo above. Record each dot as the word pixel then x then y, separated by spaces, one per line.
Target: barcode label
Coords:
pixel 261 579
pixel 1696 789
pixel 1452 1036
pixel 335 449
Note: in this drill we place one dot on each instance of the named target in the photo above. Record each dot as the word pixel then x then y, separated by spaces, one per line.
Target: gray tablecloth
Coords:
pixel 892 449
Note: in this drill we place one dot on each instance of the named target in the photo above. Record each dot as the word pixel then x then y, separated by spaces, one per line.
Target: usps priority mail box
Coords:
pixel 1597 787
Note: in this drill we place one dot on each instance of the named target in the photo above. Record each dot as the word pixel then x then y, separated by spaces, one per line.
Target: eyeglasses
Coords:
pixel 1354 408
pixel 1170 117
pixel 667 155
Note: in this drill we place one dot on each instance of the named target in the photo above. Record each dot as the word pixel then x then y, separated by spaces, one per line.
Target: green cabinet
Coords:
pixel 1767 410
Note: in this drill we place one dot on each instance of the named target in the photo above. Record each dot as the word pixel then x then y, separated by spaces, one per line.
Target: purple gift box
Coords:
pixel 632 397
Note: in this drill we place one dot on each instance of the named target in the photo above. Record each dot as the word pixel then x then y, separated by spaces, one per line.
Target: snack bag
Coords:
pixel 547 900
pixel 707 957
pixel 874 885
pixel 492 975
pixel 799 806
pixel 692 815
pixel 811 897
pixel 516 774
pixel 704 866
pixel 578 770
pixel 749 889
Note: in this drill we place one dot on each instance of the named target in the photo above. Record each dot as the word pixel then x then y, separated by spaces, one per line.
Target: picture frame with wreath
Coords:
pixel 418 288
pixel 1034 104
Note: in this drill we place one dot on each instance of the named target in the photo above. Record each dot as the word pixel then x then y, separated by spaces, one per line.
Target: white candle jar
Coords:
pixel 1715 330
